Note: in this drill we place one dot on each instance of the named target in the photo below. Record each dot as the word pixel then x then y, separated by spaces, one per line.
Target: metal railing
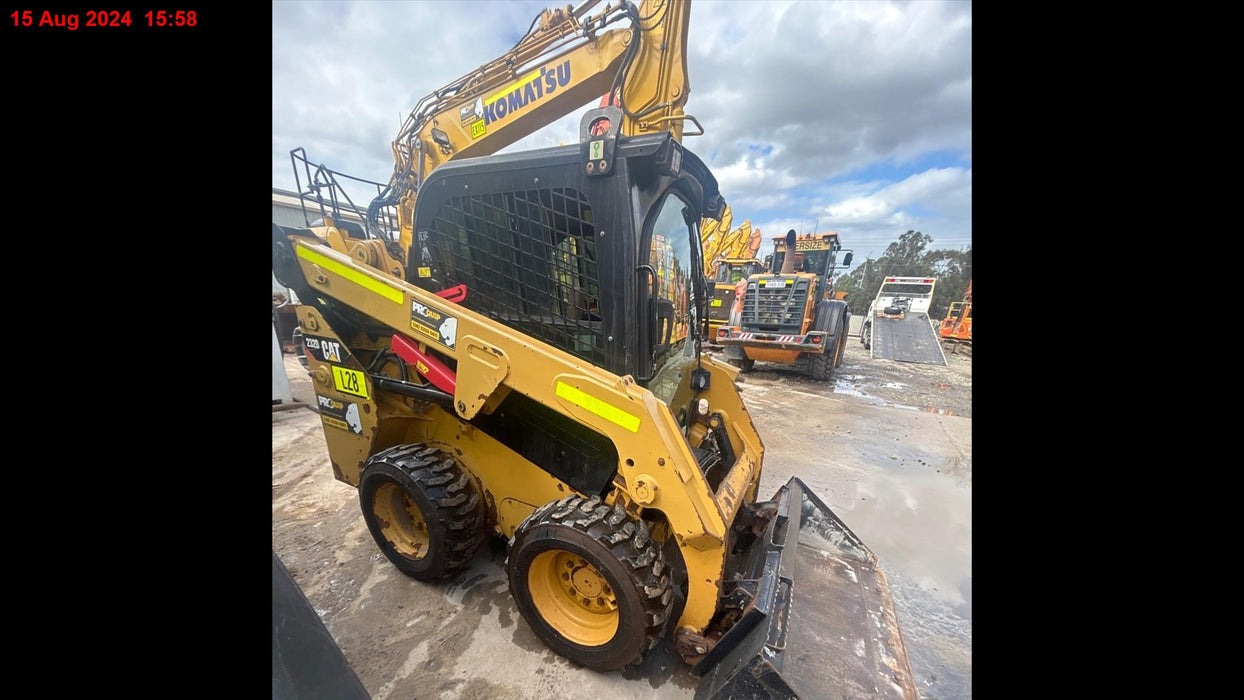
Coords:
pixel 324 193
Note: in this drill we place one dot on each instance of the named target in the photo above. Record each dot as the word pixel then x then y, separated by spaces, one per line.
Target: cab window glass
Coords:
pixel 670 255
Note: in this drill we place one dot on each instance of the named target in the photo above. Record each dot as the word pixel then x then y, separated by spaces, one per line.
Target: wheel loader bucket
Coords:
pixel 820 623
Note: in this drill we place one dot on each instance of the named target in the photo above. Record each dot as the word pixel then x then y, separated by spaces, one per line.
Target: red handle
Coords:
pixel 441 376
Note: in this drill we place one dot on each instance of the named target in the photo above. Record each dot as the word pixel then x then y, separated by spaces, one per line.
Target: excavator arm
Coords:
pixel 568 57
pixel 720 242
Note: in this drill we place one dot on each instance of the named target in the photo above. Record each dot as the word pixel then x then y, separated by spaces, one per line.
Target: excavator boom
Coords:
pixel 721 243
pixel 570 56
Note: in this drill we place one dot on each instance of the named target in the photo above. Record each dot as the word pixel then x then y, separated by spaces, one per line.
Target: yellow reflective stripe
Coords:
pixel 388 292
pixel 609 412
pixel 516 85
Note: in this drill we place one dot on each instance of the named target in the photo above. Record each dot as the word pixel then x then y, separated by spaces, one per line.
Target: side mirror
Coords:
pixel 846 262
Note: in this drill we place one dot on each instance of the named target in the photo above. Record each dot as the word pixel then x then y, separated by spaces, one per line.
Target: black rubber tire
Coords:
pixel 446 498
pixel 866 335
pixel 821 366
pixel 830 318
pixel 745 365
pixel 620 548
pixel 842 344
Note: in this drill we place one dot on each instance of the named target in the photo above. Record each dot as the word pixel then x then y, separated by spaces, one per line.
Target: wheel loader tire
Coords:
pixel 590 582
pixel 829 318
pixel 821 367
pixel 422 509
pixel 842 347
pixel 745 365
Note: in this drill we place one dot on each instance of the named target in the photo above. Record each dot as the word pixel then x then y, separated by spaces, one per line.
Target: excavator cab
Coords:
pixel 734 271
pixel 731 279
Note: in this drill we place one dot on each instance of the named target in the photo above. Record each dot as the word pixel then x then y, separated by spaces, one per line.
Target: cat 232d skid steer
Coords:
pixel 521 358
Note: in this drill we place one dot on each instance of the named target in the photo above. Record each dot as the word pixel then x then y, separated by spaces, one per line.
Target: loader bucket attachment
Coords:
pixel 818 621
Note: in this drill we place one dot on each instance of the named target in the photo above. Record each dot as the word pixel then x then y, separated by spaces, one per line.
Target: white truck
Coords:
pixel 897 325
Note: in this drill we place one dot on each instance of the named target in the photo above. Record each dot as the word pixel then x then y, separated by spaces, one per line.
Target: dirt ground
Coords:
pixel 887 447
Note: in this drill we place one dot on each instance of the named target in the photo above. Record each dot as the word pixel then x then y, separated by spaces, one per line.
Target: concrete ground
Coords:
pixel 887 447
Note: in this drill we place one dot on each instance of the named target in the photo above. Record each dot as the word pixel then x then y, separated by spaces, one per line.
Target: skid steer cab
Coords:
pixel 539 378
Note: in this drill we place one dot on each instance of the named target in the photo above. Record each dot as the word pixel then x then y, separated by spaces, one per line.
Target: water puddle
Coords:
pixel 847 390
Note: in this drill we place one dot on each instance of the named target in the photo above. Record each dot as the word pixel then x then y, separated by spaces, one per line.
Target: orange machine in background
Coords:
pixel 957 326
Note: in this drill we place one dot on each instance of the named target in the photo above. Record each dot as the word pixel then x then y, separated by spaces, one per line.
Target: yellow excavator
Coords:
pixel 522 358
pixel 721 243
pixel 729 288
pixel 729 259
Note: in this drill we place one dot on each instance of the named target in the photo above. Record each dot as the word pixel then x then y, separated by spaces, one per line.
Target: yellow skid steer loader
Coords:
pixel 522 358
pixel 562 402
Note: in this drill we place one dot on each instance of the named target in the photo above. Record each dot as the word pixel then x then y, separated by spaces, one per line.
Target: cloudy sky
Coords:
pixel 843 116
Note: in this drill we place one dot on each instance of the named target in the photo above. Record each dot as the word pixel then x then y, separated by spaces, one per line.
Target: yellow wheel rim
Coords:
pixel 401 523
pixel 573 597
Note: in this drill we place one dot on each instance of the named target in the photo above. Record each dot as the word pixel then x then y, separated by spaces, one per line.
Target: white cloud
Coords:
pixel 853 94
pixel 950 186
pixel 748 174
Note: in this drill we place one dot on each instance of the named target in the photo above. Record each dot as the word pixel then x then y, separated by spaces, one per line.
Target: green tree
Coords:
pixel 953 269
pixel 908 254
pixel 861 285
